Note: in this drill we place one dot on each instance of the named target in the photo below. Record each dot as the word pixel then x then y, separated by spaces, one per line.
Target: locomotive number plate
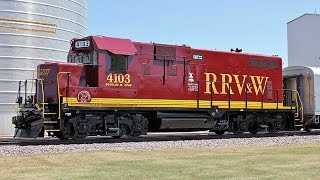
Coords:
pixel 119 80
pixel 82 44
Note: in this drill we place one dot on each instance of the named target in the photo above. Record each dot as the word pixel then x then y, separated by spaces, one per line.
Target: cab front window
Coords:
pixel 83 57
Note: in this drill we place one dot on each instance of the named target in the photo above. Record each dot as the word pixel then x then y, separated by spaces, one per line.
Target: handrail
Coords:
pixel 33 72
pixel 211 98
pixel 228 93
pixel 277 91
pixel 58 89
pixel 229 96
pixel 42 92
pixel 298 99
pixel 42 89
pixel 198 95
pixel 277 99
pixel 299 108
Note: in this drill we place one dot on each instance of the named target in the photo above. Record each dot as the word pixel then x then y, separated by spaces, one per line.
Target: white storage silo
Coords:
pixel 33 32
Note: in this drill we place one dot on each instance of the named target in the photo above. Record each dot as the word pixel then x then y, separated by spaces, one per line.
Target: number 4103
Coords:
pixel 119 78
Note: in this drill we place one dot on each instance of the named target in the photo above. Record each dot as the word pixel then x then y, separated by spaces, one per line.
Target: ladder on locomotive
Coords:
pixel 298 115
pixel 47 116
pixel 52 120
pixel 293 99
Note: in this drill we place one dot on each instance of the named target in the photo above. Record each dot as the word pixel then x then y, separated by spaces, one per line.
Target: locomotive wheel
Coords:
pixel 306 128
pixel 74 133
pixel 271 128
pixel 60 135
pixel 137 127
pixel 78 137
pixel 219 132
pixel 129 133
pixel 236 129
pixel 253 128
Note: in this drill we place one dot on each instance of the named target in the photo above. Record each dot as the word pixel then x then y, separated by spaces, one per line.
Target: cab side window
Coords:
pixel 119 62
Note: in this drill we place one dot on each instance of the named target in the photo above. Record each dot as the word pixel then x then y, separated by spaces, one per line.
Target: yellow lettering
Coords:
pixel 109 78
pixel 127 78
pixel 258 85
pixel 211 77
pixel 240 85
pixel 226 83
pixel 249 88
pixel 44 72
pixel 119 80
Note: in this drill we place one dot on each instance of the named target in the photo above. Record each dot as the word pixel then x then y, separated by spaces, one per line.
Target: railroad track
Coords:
pixel 167 136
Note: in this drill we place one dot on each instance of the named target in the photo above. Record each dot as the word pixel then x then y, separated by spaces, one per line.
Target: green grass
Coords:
pixel 280 162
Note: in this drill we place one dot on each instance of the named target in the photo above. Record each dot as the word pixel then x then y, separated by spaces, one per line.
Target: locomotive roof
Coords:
pixel 115 45
pixel 126 46
pixel 303 69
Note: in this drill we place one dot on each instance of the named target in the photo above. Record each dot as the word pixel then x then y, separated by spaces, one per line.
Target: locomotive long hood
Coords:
pixel 115 45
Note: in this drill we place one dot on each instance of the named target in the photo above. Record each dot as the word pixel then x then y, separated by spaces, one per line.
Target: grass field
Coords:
pixel 282 162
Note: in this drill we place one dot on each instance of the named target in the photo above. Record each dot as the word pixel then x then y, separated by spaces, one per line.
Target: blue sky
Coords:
pixel 255 26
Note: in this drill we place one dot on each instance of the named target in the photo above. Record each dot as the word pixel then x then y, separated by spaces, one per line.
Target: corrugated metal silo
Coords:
pixel 33 32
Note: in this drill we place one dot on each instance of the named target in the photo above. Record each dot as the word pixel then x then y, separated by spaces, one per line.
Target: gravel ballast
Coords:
pixel 14 150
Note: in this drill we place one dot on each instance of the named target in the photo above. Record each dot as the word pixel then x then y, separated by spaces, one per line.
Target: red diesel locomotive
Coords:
pixel 115 87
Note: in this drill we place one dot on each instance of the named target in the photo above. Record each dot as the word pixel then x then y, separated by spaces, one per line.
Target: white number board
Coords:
pixel 82 44
pixel 197 57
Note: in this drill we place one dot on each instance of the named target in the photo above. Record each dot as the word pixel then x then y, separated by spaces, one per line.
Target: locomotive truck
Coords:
pixel 115 87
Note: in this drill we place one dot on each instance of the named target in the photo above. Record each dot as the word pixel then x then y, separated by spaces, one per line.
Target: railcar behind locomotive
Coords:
pixel 115 87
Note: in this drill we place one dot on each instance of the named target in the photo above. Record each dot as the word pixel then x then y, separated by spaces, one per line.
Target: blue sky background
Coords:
pixel 255 26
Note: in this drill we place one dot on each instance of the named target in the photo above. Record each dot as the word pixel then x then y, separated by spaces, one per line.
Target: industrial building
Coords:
pixel 304 41
pixel 33 32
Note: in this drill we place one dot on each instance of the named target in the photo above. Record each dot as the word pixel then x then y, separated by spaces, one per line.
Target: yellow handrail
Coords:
pixel 16 109
pixel 42 90
pixel 298 102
